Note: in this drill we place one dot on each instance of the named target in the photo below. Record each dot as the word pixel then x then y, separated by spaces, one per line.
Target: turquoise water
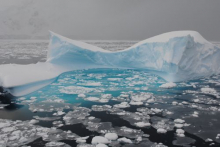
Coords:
pixel 110 81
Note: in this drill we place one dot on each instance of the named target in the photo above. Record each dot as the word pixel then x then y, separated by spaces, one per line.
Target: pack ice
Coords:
pixel 175 56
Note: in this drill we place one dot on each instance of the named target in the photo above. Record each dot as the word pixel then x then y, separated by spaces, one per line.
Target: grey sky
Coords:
pixel 116 19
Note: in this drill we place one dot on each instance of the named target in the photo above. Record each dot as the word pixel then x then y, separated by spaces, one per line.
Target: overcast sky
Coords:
pixel 122 19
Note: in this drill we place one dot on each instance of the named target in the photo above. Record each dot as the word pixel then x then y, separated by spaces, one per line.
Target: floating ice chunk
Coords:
pixel 59 113
pixel 124 95
pixel 101 107
pixel 162 124
pixel 179 121
pixel 92 84
pixel 208 140
pixel 114 79
pixel 56 144
pixel 21 98
pixel 124 140
pixel 168 85
pixel 158 145
pixel 106 96
pixel 180 132
pixel 161 130
pixel 77 116
pixel 85 145
pixel 156 110
pixel 145 110
pixel 178 125
pixel 82 95
pixel 48 106
pixel 211 91
pixel 136 103
pixel 23 132
pixel 195 114
pixel 33 121
pixel 141 97
pixel 185 103
pixel 58 100
pixel 139 139
pixel 103 100
pixel 128 132
pixel 208 90
pixel 4 124
pixel 100 139
pixel 82 139
pixel 57 124
pixel 122 105
pixel 100 127
pixel 8 129
pixel 174 103
pixel 168 112
pixel 92 99
pixel 111 136
pixel 101 145
pixel 196 100
pixel 142 124
pixel 75 90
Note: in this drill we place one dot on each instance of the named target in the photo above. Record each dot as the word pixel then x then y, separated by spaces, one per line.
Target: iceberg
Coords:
pixel 174 56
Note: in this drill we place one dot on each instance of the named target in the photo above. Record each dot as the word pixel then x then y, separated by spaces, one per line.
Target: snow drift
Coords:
pixel 175 56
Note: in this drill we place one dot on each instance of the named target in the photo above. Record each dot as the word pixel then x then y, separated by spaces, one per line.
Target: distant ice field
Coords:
pixel 33 51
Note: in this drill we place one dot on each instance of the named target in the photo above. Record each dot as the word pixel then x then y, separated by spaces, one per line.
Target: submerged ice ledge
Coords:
pixel 175 56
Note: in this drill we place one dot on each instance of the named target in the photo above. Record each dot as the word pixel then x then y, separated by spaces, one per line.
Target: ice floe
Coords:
pixel 168 85
pixel 100 139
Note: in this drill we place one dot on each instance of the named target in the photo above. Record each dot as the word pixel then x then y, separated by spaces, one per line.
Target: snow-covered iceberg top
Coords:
pixel 175 56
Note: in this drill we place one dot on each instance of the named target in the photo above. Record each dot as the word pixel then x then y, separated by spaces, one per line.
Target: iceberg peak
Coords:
pixel 165 37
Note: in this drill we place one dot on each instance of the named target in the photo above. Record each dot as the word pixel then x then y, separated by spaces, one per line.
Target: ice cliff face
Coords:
pixel 175 56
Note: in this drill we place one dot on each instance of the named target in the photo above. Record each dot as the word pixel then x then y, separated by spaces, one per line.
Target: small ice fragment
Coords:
pixel 174 103
pixel 136 103
pixel 82 95
pixel 92 99
pixel 168 85
pixel 156 110
pixel 161 130
pixel 179 121
pixel 142 124
pixel 101 145
pixel 124 140
pixel 122 105
pixel 208 140
pixel 111 136
pixel 195 114
pixel 180 132
pixel 100 139
pixel 33 121
pixel 178 125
